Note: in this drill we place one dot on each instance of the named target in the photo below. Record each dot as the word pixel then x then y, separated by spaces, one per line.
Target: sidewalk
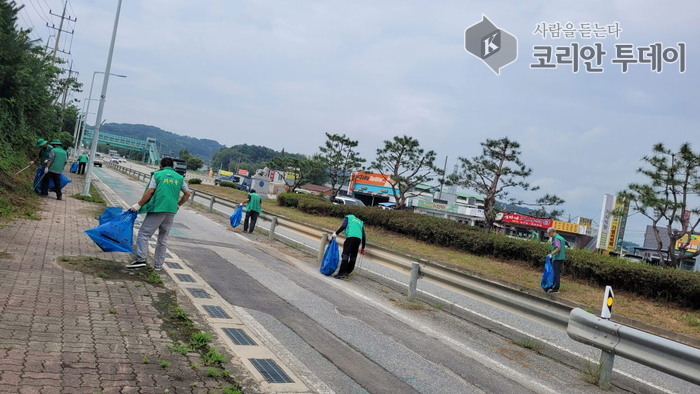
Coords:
pixel 63 331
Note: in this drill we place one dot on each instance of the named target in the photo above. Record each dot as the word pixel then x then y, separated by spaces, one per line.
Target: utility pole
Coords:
pixel 65 88
pixel 60 27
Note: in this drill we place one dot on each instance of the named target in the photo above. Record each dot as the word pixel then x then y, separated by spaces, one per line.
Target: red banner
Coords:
pixel 526 220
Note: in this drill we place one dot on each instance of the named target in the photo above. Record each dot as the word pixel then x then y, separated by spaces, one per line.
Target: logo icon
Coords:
pixel 495 47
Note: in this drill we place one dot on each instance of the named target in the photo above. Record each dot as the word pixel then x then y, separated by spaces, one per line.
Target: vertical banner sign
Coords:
pixel 621 227
pixel 611 242
pixel 604 227
pixel 608 298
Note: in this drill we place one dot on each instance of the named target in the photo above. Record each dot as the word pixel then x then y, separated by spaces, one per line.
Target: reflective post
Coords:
pixel 413 283
pixel 273 224
pixel 322 248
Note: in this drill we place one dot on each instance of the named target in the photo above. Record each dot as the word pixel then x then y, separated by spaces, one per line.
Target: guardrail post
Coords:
pixel 211 204
pixel 413 283
pixel 194 193
pixel 273 224
pixel 322 248
pixel 606 368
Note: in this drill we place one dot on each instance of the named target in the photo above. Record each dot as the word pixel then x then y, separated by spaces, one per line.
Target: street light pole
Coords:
pixel 87 112
pixel 103 96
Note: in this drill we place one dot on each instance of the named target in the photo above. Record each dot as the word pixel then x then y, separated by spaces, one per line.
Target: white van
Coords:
pixel 347 201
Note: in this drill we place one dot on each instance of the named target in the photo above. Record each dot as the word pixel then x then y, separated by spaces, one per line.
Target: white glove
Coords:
pixel 550 256
pixel 334 235
pixel 46 170
pixel 135 207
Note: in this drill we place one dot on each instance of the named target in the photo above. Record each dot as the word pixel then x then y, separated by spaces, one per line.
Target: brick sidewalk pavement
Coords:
pixel 63 331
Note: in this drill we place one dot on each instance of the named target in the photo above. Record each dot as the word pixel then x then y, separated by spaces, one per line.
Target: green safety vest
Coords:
pixel 59 160
pixel 354 227
pixel 83 158
pixel 561 255
pixel 167 194
pixel 254 203
pixel 44 153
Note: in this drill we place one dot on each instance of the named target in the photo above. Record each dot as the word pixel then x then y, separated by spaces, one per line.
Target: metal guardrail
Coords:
pixel 662 354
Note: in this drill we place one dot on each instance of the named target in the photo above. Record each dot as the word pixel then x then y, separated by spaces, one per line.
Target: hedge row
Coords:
pixel 679 287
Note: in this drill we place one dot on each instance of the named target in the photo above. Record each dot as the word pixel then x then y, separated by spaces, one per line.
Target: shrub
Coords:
pixel 194 181
pixel 680 287
pixel 227 184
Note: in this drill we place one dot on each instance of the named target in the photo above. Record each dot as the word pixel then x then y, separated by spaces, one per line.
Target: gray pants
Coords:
pixel 154 221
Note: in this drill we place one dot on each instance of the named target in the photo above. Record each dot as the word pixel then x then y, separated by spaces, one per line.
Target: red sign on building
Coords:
pixel 526 220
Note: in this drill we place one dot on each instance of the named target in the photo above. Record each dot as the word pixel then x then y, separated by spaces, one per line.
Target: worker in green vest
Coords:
pixel 53 168
pixel 354 238
pixel 557 255
pixel 44 150
pixel 82 162
pixel 160 202
pixel 252 210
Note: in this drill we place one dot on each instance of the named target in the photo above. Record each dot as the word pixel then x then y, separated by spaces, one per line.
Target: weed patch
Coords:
pixel 410 305
pixel 94 196
pixel 175 321
pixel 528 343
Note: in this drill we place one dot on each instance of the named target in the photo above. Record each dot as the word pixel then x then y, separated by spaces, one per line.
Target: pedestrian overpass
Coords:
pixel 149 145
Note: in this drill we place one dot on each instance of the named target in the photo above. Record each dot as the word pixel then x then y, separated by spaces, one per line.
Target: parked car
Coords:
pixel 97 161
pixel 387 205
pixel 223 178
pixel 347 201
pixel 653 257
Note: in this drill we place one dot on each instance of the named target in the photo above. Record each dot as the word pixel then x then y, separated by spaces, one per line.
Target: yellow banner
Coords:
pixel 611 243
pixel 565 227
pixel 225 173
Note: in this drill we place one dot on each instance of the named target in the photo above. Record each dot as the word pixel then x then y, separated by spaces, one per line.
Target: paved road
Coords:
pixel 349 334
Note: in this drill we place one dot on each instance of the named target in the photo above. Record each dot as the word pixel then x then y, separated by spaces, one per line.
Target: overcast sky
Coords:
pixel 281 73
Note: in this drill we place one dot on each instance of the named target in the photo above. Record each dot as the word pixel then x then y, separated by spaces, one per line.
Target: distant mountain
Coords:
pixel 168 143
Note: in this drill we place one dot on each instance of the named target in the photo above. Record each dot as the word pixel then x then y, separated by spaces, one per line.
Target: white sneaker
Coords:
pixel 136 265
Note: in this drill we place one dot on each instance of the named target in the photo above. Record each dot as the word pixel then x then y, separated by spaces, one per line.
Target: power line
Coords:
pixel 42 16
pixel 43 11
pixel 71 7
pixel 60 30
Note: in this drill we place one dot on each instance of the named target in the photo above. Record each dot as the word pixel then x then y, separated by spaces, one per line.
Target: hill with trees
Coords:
pixel 169 143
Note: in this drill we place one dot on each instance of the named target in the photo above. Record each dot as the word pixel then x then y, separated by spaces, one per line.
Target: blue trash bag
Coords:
pixel 236 216
pixel 330 258
pixel 74 167
pixel 547 275
pixel 109 214
pixel 39 176
pixel 116 235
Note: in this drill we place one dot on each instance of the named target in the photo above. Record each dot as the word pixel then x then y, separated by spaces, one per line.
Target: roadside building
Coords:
pixel 522 226
pixel 370 188
pixel 650 243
